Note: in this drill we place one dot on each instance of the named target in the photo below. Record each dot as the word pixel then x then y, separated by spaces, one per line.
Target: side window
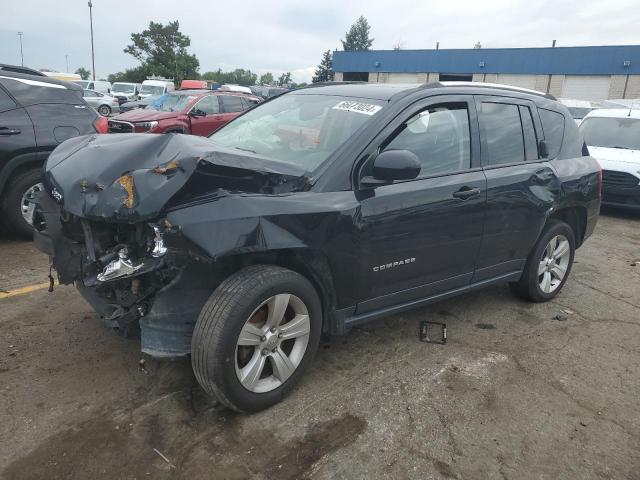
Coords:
pixel 503 133
pixel 5 101
pixel 439 136
pixel 529 131
pixel 553 127
pixel 231 103
pixel 208 105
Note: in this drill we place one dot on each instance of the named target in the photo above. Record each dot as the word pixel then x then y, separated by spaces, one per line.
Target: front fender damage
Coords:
pixel 125 224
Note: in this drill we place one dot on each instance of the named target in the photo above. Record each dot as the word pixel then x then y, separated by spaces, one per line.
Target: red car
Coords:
pixel 195 112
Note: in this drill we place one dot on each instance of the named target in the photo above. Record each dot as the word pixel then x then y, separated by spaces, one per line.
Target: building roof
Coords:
pixel 593 60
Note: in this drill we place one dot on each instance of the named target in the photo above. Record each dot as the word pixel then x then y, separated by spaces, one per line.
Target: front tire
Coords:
pixel 549 263
pixel 256 336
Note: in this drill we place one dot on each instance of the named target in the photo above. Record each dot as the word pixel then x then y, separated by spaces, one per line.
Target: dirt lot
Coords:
pixel 514 394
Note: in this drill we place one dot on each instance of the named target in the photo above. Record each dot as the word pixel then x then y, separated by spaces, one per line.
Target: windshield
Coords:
pixel 303 130
pixel 172 103
pixel 152 90
pixel 122 88
pixel 612 132
pixel 579 112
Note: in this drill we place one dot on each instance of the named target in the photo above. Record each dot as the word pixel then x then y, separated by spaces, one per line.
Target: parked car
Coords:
pixel 154 88
pixel 103 103
pixel 578 108
pixel 613 138
pixel 147 102
pixel 196 112
pixel 125 91
pixel 265 91
pixel 97 85
pixel 319 210
pixel 36 114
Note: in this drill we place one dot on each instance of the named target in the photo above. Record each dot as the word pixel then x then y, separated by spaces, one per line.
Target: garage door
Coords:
pixel 522 81
pixel 586 87
pixel 407 78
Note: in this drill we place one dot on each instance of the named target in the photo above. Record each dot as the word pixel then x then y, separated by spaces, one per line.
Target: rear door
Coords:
pixel 521 186
pixel 17 136
pixel 421 237
pixel 205 116
pixel 232 106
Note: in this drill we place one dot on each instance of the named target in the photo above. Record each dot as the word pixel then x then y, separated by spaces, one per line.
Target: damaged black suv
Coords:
pixel 313 212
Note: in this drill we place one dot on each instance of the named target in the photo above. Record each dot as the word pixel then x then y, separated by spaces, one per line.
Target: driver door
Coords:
pixel 205 116
pixel 420 237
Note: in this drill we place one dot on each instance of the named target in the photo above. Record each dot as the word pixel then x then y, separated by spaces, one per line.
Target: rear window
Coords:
pixel 32 92
pixel 503 133
pixel 553 127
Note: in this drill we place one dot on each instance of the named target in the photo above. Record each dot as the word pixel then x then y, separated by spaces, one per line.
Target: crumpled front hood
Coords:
pixel 132 177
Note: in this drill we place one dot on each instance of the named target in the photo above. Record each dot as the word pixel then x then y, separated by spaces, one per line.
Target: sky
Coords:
pixel 290 35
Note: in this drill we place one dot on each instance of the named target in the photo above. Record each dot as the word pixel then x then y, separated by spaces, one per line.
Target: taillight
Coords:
pixel 101 124
pixel 600 182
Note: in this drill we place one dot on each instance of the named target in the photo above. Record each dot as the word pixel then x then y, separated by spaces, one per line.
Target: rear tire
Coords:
pixel 104 110
pixel 548 265
pixel 279 315
pixel 14 199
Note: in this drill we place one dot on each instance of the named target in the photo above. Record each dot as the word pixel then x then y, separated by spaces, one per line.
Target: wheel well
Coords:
pixel 20 169
pixel 175 130
pixel 576 218
pixel 311 265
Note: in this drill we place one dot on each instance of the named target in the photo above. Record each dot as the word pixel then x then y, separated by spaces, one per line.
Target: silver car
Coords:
pixel 103 103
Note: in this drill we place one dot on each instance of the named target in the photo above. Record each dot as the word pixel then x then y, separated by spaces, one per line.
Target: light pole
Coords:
pixel 66 57
pixel 21 55
pixel 93 58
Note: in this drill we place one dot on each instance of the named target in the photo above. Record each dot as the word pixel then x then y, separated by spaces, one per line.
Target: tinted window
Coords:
pixel 529 131
pixel 503 133
pixel 5 101
pixel 231 103
pixel 439 136
pixel 553 127
pixel 208 105
pixel 31 92
pixel 612 132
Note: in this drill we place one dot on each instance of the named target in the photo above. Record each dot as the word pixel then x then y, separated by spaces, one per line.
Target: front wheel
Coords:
pixel 549 263
pixel 255 337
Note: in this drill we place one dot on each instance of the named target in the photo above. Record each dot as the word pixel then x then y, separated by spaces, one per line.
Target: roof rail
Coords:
pixel 492 85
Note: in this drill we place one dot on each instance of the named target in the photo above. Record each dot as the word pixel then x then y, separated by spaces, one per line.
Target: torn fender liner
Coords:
pixel 131 177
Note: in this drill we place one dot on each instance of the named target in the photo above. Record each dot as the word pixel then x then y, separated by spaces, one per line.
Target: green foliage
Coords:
pixel 324 72
pixel 133 75
pixel 84 73
pixel 285 79
pixel 162 51
pixel 357 38
pixel 266 79
pixel 239 76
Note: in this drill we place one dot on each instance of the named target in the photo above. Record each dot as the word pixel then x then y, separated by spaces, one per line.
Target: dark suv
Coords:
pixel 36 114
pixel 316 211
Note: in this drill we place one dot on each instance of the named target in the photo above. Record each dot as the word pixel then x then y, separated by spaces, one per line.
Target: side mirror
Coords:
pixel 197 113
pixel 393 165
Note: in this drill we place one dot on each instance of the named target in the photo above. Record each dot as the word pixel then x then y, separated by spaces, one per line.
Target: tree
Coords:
pixel 324 72
pixel 285 79
pixel 163 51
pixel 266 78
pixel 357 38
pixel 239 76
pixel 84 73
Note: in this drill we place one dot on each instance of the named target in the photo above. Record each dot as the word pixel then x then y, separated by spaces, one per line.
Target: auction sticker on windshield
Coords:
pixel 357 107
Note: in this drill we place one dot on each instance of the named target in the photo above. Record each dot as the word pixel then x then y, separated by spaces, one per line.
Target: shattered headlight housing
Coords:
pixel 146 126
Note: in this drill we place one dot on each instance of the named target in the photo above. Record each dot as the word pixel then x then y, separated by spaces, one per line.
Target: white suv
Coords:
pixel 613 138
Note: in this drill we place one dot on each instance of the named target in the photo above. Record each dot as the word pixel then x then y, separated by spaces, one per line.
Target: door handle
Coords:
pixel 9 131
pixel 466 192
pixel 542 177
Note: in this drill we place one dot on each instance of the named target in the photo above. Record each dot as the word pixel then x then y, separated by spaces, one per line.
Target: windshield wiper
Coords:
pixel 247 150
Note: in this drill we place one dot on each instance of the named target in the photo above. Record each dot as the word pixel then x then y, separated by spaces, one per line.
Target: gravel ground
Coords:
pixel 515 393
